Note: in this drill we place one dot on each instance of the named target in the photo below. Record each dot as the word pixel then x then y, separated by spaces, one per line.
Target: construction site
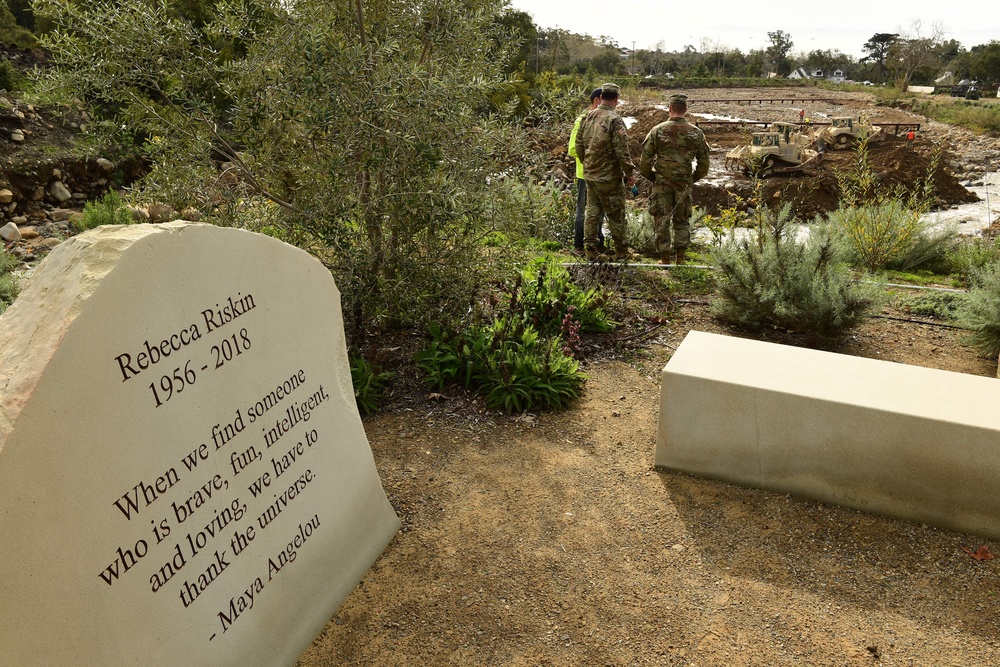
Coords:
pixel 810 136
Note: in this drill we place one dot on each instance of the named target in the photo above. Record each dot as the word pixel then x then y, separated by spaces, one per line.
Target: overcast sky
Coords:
pixel 744 25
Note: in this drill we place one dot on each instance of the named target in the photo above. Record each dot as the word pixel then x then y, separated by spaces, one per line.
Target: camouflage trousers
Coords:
pixel 671 211
pixel 606 198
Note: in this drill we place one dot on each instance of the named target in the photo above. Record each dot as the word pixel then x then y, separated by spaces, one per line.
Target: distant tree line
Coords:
pixel 898 58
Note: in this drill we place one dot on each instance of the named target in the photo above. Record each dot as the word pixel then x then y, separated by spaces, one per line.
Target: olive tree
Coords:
pixel 912 53
pixel 353 129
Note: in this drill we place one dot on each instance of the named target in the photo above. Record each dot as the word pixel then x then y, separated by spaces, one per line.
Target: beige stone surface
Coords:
pixel 905 441
pixel 129 489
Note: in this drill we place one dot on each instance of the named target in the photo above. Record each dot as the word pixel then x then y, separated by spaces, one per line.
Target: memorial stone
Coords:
pixel 184 477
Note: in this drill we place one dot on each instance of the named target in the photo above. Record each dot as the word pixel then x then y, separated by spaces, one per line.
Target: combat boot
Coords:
pixel 595 255
pixel 667 257
pixel 681 256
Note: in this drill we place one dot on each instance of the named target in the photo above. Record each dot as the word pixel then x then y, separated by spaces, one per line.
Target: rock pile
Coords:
pixel 43 187
pixel 37 171
pixel 28 240
pixel 36 181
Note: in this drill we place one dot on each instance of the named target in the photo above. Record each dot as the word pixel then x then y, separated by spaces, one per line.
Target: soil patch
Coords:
pixel 551 540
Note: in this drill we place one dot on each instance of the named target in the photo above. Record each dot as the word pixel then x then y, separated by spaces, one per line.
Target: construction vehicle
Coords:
pixel 845 132
pixel 791 133
pixel 965 88
pixel 783 150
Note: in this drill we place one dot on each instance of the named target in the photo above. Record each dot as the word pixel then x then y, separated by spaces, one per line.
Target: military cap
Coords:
pixel 678 98
pixel 594 94
pixel 609 88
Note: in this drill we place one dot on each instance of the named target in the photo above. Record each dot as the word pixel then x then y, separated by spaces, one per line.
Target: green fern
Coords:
pixel 368 385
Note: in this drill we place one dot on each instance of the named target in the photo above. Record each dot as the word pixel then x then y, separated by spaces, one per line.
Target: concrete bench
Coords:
pixel 914 443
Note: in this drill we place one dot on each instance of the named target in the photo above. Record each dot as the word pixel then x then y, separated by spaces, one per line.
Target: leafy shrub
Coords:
pixel 110 209
pixel 526 372
pixel 545 246
pixel 539 99
pixel 394 191
pixel 544 210
pixel 722 224
pixel 939 305
pixel 8 284
pixel 876 233
pixel 972 254
pixel 11 79
pixel 884 226
pixel 495 240
pixel 930 248
pixel 514 366
pixel 450 357
pixel 982 313
pixel 770 278
pixel 522 356
pixel 640 232
pixel 511 98
pixel 11 33
pixel 548 293
pixel 368 385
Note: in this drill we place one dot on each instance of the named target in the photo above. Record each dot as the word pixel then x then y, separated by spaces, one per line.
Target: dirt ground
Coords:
pixel 550 539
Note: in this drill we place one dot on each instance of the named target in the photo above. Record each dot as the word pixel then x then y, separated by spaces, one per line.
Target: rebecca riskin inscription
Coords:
pixel 184 478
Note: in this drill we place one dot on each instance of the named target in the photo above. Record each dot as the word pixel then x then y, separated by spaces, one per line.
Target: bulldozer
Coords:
pixel 845 132
pixel 791 133
pixel 782 150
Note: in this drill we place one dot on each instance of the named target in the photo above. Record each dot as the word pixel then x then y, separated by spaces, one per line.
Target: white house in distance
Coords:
pixel 946 79
pixel 801 73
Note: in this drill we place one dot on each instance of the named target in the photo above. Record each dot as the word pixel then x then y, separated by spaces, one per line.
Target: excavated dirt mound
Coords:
pixel 905 168
pixel 646 118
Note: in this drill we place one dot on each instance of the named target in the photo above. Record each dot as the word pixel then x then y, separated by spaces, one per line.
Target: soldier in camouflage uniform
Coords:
pixel 667 153
pixel 602 146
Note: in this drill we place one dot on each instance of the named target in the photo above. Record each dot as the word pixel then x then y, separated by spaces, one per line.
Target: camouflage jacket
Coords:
pixel 668 151
pixel 602 146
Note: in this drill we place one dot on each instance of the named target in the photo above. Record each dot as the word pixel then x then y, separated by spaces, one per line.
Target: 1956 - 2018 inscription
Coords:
pixel 184 374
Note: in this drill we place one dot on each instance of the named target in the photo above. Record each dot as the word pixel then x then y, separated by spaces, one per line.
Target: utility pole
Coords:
pixel 989 213
pixel 538 41
pixel 633 56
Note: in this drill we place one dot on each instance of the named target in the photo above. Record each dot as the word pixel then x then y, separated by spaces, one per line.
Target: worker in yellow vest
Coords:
pixel 581 184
